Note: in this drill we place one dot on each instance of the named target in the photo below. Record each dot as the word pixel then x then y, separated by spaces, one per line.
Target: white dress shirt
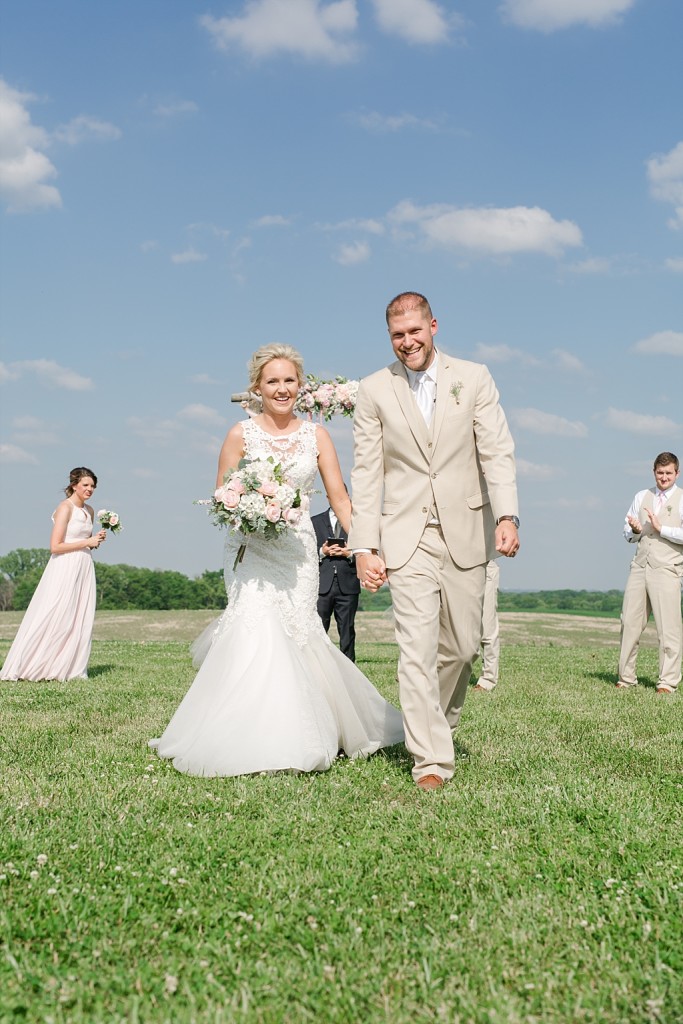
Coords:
pixel 672 533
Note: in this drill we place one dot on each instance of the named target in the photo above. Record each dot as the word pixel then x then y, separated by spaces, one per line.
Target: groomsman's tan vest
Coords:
pixel 654 550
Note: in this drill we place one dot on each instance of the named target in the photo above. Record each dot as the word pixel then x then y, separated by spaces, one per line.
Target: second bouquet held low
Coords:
pixel 257 497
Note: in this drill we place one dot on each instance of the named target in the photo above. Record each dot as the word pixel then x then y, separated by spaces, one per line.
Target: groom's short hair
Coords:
pixel 409 300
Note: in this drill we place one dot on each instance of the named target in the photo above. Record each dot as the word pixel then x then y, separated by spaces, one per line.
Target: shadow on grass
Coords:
pixel 99 670
pixel 610 679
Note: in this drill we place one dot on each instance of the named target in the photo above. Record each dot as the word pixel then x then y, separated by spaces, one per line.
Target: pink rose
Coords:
pixel 236 485
pixel 113 519
pixel 293 517
pixel 268 489
pixel 273 512
pixel 230 498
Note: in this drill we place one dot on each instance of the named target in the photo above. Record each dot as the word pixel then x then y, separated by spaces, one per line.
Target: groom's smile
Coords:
pixel 412 338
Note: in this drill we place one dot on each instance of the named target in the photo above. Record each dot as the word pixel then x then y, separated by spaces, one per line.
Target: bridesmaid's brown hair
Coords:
pixel 77 474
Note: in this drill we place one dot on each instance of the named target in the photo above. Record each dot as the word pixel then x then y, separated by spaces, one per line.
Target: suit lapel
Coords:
pixel 418 427
pixel 443 384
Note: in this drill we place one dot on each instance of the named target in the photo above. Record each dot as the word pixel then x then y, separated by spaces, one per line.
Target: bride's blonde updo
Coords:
pixel 266 354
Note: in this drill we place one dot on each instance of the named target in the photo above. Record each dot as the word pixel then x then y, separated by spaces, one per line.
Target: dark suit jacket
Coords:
pixel 343 568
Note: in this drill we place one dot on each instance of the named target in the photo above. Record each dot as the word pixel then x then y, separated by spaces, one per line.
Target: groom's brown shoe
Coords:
pixel 428 782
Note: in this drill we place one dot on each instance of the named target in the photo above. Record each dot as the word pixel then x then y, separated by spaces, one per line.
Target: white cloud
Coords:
pixel 7 372
pixel 308 28
pixel 663 343
pixel 373 227
pixel 176 108
pixel 272 220
pixel 53 374
pixel 637 423
pixel 675 263
pixel 188 256
pixel 11 453
pixel 355 252
pixel 416 21
pixel 24 167
pixel 149 246
pixel 536 471
pixel 373 121
pixel 568 361
pixel 538 422
pixel 488 230
pixel 84 127
pixel 33 432
pixel 484 353
pixel 551 15
pixel 665 173
pixel 203 414
pixel 593 265
pixel 203 378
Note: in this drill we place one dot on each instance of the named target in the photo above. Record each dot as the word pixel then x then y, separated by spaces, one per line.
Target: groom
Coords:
pixel 434 498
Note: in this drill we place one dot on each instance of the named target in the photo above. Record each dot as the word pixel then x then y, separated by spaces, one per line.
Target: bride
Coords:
pixel 272 692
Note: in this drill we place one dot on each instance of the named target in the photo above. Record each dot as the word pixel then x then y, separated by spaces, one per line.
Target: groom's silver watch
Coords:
pixel 511 519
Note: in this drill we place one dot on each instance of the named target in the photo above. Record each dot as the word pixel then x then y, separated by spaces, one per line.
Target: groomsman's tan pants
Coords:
pixel 438 610
pixel 490 630
pixel 657 591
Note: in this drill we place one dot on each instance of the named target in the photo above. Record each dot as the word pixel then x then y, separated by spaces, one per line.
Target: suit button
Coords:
pixel 429 444
pixel 433 476
pixel 425 509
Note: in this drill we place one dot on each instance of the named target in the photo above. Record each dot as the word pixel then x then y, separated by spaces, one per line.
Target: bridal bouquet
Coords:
pixel 109 520
pixel 257 497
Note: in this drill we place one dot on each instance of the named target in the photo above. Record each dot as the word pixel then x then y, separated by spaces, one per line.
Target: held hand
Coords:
pixel 507 538
pixel 635 524
pixel 371 571
pixel 655 523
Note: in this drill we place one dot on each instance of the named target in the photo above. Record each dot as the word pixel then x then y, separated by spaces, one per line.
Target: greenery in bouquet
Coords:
pixel 109 520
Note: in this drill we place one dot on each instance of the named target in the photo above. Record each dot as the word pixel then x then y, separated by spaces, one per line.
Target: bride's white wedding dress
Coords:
pixel 272 692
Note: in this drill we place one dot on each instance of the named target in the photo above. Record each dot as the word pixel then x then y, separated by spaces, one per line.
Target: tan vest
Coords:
pixel 654 550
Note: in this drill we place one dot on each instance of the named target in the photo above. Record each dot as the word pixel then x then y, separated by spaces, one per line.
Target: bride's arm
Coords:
pixel 231 452
pixel 331 476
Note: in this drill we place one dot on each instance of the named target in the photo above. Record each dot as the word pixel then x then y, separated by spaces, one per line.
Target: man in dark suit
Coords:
pixel 339 584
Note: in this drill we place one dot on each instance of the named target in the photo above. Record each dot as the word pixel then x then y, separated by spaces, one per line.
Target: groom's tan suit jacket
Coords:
pixel 460 469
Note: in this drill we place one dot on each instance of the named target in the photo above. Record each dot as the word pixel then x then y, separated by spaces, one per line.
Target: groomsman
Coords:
pixel 434 499
pixel 655 523
pixel 339 588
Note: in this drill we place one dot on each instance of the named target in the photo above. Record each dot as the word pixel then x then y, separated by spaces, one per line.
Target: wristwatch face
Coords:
pixel 510 519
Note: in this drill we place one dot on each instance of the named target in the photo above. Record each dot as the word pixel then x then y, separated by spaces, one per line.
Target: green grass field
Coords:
pixel 543 885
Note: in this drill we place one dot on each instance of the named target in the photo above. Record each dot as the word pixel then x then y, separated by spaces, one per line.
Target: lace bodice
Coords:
pixel 281 571
pixel 298 452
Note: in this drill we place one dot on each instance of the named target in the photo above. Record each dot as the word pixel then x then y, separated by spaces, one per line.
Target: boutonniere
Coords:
pixel 456 389
pixel 668 509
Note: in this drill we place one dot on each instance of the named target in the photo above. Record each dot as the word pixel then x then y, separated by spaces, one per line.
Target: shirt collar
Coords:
pixel 664 494
pixel 415 375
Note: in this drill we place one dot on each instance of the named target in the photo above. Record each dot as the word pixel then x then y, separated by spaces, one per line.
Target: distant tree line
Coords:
pixel 127 587
pixel 119 587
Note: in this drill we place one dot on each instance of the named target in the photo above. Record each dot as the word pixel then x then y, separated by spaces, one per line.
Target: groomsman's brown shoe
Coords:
pixel 664 692
pixel 429 782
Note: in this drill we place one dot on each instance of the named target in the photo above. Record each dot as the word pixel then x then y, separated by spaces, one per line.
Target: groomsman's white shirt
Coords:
pixel 672 533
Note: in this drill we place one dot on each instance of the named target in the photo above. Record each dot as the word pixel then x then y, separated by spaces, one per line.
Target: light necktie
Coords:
pixel 424 397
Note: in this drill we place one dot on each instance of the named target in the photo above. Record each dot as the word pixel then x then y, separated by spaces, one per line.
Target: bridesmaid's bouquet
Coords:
pixel 109 520
pixel 257 497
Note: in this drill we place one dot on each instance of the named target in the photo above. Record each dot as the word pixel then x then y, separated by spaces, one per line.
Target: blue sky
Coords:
pixel 182 182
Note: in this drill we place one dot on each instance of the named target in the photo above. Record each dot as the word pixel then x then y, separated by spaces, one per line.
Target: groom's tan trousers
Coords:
pixel 438 613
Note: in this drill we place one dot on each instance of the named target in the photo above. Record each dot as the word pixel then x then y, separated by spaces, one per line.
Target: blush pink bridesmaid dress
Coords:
pixel 54 638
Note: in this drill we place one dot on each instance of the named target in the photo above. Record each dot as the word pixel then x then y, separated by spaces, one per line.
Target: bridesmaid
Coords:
pixel 54 638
